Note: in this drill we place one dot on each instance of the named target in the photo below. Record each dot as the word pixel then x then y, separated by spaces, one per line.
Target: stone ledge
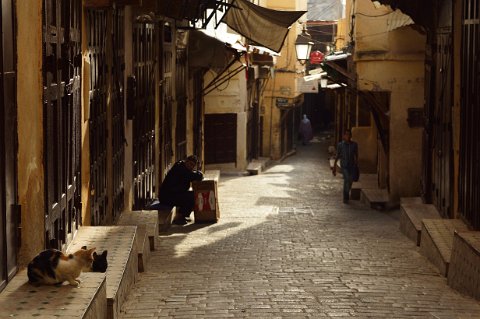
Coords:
pixel 375 198
pixel 411 217
pixel 437 241
pixel 122 259
pixel 143 247
pixel 20 299
pixel 142 217
pixel 464 270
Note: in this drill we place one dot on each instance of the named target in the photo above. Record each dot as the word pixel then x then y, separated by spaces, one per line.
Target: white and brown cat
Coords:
pixel 52 267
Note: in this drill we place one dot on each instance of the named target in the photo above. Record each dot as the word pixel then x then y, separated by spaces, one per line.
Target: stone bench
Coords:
pixel 464 269
pixel 375 198
pixel 366 181
pixel 20 299
pixel 122 259
pixel 147 233
pixel 437 241
pixel 411 216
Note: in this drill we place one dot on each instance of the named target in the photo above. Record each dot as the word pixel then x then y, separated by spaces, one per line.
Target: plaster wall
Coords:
pixel 373 40
pixel 366 137
pixel 405 81
pixel 231 97
pixel 30 168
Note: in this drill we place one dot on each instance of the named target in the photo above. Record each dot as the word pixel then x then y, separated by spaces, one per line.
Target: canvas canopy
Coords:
pixel 263 26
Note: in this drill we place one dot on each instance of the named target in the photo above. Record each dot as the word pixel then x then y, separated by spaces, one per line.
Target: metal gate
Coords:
pixel 8 148
pixel 442 151
pixel 181 97
pixel 469 170
pixel 167 58
pixel 62 110
pixel 198 114
pixel 144 113
pixel 97 24
pixel 118 112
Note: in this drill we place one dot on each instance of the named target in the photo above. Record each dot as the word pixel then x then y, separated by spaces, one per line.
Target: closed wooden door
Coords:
pixel 220 138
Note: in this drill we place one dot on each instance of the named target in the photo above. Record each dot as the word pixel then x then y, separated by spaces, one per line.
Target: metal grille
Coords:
pixel 469 170
pixel 167 96
pixel 181 94
pixel 144 112
pixel 118 111
pixel 442 126
pixel 97 24
pixel 8 147
pixel 198 114
pixel 61 95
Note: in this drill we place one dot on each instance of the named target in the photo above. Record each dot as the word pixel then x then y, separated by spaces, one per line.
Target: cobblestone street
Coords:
pixel 287 247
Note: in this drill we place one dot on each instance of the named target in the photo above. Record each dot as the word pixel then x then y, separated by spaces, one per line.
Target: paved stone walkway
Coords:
pixel 286 247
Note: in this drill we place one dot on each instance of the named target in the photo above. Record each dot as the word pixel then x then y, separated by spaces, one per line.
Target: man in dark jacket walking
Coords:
pixel 175 187
pixel 347 153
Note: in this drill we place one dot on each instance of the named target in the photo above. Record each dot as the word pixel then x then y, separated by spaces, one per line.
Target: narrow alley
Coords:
pixel 287 247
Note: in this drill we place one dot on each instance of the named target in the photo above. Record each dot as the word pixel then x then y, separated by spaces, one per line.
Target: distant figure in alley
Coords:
pixel 175 191
pixel 347 153
pixel 305 130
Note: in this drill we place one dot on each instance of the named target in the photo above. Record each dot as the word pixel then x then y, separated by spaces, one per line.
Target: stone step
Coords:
pixel 437 241
pixel 254 168
pixel 375 198
pixel 20 299
pixel 122 259
pixel 142 217
pixel 258 165
pixel 411 217
pixel 464 269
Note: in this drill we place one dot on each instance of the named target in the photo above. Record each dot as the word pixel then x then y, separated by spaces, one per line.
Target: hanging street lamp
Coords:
pixel 303 46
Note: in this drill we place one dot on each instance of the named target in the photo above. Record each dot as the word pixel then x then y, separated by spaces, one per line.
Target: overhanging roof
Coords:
pixel 263 26
pixel 421 11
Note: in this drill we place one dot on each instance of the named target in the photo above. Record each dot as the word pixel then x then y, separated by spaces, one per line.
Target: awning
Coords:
pixel 212 52
pixel 263 26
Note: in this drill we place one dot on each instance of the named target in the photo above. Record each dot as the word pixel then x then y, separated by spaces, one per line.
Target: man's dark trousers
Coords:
pixel 347 182
pixel 184 201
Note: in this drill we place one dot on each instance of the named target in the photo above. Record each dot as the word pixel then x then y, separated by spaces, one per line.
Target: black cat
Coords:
pixel 100 263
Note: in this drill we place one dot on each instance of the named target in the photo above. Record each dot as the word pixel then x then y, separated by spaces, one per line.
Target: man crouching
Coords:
pixel 175 187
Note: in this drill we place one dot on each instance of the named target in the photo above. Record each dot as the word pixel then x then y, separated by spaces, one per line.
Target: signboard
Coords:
pixel 281 102
pixel 316 57
pixel 307 86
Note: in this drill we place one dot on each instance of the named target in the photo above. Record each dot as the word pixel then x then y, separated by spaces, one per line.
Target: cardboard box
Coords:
pixel 206 201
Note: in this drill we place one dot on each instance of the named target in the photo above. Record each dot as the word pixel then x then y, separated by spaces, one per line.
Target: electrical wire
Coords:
pixel 373 16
